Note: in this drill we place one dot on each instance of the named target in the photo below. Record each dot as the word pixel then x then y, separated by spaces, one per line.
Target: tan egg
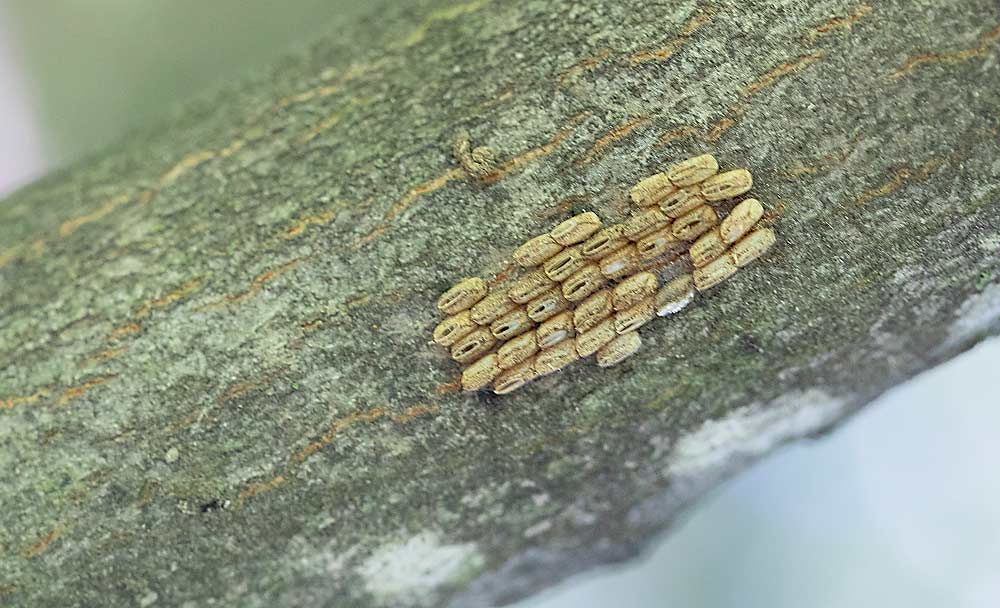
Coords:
pixel 576 229
pixel 752 246
pixel 550 360
pixel 644 222
pixel 726 185
pixel 682 201
pixel 517 351
pixel 604 242
pixel 674 296
pixel 696 223
pixel 594 309
pixel 530 286
pixel 693 170
pixel 619 349
pixel 514 378
pixel 473 346
pixel 564 263
pixel 590 341
pixel 621 263
pixel 714 273
pixel 514 323
pixel 634 289
pixel 462 296
pixel 454 328
pixel 583 283
pixel 536 251
pixel 480 374
pixel 659 243
pixel 708 247
pixel 741 220
pixel 555 330
pixel 652 190
pixel 635 317
pixel 492 307
pixel 546 305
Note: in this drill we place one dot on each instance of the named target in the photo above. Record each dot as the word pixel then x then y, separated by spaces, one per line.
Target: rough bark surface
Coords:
pixel 216 383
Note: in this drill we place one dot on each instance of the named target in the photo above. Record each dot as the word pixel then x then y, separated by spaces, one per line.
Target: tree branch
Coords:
pixel 216 380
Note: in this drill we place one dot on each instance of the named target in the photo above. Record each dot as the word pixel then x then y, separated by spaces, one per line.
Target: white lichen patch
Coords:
pixel 750 432
pixel 907 275
pixel 699 460
pixel 322 560
pixel 977 315
pixel 409 571
pixel 540 528
pixel 989 244
pixel 172 455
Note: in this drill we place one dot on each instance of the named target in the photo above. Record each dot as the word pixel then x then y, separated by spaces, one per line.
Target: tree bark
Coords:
pixel 216 380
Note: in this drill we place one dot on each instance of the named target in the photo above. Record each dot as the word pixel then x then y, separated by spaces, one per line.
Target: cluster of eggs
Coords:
pixel 587 288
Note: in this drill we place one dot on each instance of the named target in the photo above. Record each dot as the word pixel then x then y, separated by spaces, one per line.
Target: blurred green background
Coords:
pixel 95 68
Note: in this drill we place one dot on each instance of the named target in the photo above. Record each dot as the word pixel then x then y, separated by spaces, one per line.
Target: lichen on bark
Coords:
pixel 215 377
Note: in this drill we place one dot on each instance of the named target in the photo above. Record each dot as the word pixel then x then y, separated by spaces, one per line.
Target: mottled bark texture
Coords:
pixel 216 382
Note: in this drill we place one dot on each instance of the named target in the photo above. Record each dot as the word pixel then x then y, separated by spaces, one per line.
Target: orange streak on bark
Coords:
pixel 70 226
pixel 574 71
pixel 416 411
pixel 12 402
pixel 780 71
pixel 450 387
pixel 519 161
pixel 39 547
pixel 901 177
pixel 104 355
pixel 667 51
pixel 168 299
pixel 611 137
pixel 335 427
pixel 980 50
pixel 256 489
pixel 74 392
pixel 840 23
pixel 124 330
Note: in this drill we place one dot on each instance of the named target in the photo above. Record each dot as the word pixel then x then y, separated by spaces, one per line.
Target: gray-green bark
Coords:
pixel 216 381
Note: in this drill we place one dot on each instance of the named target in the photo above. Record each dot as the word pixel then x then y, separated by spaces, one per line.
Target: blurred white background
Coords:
pixel 900 507
pixel 21 157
